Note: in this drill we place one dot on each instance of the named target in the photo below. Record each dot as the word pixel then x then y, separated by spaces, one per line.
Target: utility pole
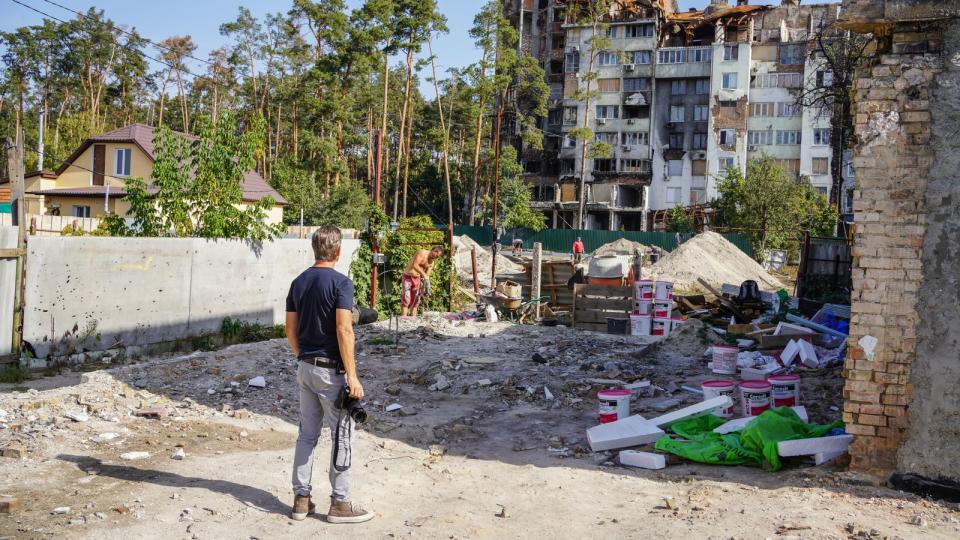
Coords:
pixel 374 242
pixel 15 173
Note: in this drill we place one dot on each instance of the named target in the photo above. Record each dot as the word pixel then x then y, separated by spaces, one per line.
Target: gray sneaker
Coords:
pixel 347 512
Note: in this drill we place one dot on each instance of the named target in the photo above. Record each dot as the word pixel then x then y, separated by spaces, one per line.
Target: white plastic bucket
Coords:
pixel 640 325
pixel 614 405
pixel 662 309
pixel 786 390
pixel 643 289
pixel 661 327
pixel 755 397
pixel 664 290
pixel 717 388
pixel 643 307
pixel 725 359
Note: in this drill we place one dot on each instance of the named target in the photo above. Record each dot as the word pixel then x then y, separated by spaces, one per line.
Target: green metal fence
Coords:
pixel 561 240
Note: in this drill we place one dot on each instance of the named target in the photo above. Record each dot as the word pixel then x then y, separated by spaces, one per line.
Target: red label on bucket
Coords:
pixel 786 390
pixel 755 396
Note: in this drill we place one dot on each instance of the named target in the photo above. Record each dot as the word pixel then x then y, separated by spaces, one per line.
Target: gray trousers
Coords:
pixel 318 392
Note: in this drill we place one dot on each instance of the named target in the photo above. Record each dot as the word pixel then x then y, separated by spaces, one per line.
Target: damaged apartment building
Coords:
pixel 679 97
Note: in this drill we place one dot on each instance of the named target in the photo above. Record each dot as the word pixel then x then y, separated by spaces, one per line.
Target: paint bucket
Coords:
pixel 725 359
pixel 755 397
pixel 643 289
pixel 676 323
pixel 640 325
pixel 786 390
pixel 662 309
pixel 614 405
pixel 660 327
pixel 717 388
pixel 643 307
pixel 664 290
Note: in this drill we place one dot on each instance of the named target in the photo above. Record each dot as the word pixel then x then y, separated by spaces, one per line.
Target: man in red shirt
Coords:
pixel 577 250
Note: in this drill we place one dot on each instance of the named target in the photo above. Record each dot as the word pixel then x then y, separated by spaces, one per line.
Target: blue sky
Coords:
pixel 201 19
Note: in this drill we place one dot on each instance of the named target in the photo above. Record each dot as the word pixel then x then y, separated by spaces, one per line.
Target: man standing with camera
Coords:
pixel 320 332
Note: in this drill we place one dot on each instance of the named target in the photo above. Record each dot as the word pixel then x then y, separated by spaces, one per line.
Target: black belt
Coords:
pixel 321 362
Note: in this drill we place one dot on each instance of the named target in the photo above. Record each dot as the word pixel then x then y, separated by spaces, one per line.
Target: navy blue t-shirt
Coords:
pixel 315 296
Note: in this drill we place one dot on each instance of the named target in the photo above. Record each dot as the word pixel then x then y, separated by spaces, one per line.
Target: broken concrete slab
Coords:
pixel 258 382
pixel 631 431
pixel 393 407
pixel 704 407
pixel 644 460
pixel 816 445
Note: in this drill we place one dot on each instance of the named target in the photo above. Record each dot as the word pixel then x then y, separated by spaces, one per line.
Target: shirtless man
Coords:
pixel 419 268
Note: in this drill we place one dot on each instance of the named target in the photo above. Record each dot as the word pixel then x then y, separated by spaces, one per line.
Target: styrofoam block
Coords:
pixel 760 373
pixel 808 355
pixel 790 353
pixel 631 431
pixel 704 407
pixel 787 329
pixel 644 460
pixel 738 424
pixel 816 445
pixel 824 457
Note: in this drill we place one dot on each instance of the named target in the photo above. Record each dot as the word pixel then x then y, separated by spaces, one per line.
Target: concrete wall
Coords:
pixel 139 291
pixel 934 428
pixel 8 280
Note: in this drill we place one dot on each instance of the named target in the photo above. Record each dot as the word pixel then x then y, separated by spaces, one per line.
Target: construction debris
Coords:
pixel 711 257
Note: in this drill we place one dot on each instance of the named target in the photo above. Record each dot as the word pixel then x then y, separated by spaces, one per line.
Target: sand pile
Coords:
pixel 711 257
pixel 463 245
pixel 621 246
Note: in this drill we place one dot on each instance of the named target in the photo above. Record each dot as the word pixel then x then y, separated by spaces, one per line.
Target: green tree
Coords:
pixel 679 220
pixel 197 187
pixel 773 205
pixel 515 195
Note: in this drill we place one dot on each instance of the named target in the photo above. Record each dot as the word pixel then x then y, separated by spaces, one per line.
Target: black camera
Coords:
pixel 353 407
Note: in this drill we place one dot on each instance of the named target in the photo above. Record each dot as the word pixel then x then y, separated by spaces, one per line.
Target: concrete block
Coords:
pixel 825 457
pixel 631 431
pixel 817 445
pixel 704 407
pixel 644 460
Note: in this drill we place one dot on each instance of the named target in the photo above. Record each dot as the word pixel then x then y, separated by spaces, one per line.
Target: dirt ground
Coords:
pixel 477 451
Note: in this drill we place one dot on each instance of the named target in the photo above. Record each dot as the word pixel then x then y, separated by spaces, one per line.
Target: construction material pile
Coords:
pixel 620 246
pixel 463 245
pixel 712 257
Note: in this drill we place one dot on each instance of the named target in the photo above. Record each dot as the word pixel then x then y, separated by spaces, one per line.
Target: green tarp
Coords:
pixel 755 445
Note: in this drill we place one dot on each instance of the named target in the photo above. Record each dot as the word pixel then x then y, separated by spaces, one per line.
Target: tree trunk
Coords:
pixel 386 110
pixel 476 163
pixel 406 165
pixel 582 196
pixel 403 122
pixel 183 104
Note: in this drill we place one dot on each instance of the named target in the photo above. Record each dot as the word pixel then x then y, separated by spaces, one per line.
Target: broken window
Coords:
pixel 608 85
pixel 532 167
pixel 729 81
pixel 608 111
pixel 675 140
pixel 699 141
pixel 678 88
pixel 612 31
pixel 824 79
pixel 567 166
pixel 639 30
pixel 636 84
pixel 569 116
pixel 569 141
pixel 677 113
pixel 790 166
pixel 572 62
pixel 731 52
pixel 609 137
pixel 821 165
pixel 603 165
pixel 725 163
pixel 821 137
pixel 635 165
pixel 787 108
pixel 703 86
pixel 791 54
pixel 728 137
pixel 636 138
pixel 555 118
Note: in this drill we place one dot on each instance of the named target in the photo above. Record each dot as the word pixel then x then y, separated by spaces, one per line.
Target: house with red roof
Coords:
pixel 91 182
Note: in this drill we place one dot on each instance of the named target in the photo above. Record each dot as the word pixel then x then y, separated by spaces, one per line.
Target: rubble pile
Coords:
pixel 713 258
pixel 620 246
pixel 462 259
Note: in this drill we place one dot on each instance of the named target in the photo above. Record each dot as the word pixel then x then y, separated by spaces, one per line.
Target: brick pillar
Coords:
pixel 892 158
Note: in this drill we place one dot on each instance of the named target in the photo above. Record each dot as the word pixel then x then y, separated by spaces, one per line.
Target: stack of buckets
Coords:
pixel 755 396
pixel 653 309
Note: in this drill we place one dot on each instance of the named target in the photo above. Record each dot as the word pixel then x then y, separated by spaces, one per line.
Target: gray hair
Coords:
pixel 326 243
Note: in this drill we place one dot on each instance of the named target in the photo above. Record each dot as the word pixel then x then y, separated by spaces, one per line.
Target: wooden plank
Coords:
pixel 598 316
pixel 723 300
pixel 11 253
pixel 612 291
pixel 553 291
pixel 609 304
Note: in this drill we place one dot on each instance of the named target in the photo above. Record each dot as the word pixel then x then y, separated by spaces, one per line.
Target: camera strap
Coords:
pixel 342 438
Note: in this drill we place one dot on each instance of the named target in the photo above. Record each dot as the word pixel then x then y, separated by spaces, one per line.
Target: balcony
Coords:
pixel 682 62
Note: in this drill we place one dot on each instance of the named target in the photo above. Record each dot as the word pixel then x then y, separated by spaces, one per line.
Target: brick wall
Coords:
pixel 892 157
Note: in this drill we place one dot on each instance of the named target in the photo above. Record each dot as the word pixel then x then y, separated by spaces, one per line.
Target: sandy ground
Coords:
pixel 513 464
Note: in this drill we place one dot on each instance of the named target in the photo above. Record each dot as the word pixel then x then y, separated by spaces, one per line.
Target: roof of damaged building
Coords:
pixel 713 14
